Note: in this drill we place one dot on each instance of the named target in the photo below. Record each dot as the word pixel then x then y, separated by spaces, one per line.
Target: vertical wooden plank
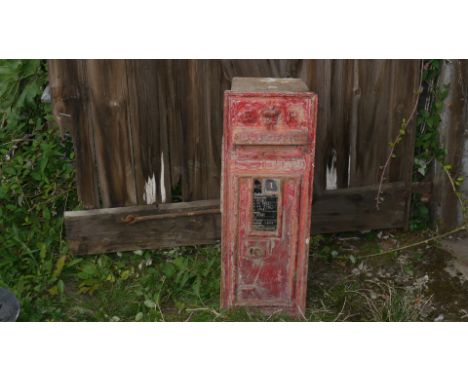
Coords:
pixel 317 76
pixel 176 85
pixel 109 120
pixel 406 82
pixel 202 163
pixel 372 121
pixel 387 92
pixel 445 205
pixel 143 123
pixel 463 79
pixel 70 101
pixel 332 81
pixel 340 120
pixel 134 124
pixel 163 80
pixel 192 126
pixel 214 101
pixel 354 126
pixel 404 92
pixel 153 114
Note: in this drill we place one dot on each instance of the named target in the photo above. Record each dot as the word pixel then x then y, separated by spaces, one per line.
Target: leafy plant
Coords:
pixel 36 177
pixel 427 146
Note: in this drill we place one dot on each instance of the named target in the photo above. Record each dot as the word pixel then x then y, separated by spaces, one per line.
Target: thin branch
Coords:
pixel 394 144
pixel 204 309
pixel 417 244
pixel 455 191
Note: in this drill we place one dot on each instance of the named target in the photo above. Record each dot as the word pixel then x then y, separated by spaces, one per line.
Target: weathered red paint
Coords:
pixel 269 139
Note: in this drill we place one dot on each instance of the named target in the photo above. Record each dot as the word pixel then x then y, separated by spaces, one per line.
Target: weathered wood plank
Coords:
pixel 147 112
pixel 406 88
pixel 405 83
pixel 202 129
pixel 115 229
pixel 70 101
pixel 354 209
pixel 109 121
pixel 373 117
pixel 177 224
pixel 332 80
pixel 446 209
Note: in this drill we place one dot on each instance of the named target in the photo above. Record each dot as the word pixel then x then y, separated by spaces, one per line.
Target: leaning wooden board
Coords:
pixel 178 224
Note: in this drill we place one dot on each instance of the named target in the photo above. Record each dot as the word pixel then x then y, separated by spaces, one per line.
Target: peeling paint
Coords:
pixel 163 187
pixel 331 172
pixel 149 197
pixel 267 137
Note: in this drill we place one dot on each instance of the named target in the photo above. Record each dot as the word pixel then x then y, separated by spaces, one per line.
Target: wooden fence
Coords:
pixel 149 131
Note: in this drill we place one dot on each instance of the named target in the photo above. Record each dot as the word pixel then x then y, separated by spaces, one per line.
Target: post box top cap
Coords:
pixel 263 84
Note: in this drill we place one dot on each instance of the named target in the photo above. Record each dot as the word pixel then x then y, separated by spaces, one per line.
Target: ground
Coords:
pixel 421 284
pixel 348 281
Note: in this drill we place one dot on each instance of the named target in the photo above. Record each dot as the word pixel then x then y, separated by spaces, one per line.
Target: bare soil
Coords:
pixel 420 284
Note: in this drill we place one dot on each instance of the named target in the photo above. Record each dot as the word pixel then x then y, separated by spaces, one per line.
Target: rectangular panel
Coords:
pixel 266 257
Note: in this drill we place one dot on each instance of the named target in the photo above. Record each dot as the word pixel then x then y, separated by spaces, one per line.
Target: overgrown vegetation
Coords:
pixel 427 145
pixel 36 183
pixel 428 150
pixel 37 186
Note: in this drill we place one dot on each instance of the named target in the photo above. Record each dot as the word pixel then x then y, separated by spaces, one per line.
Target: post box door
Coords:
pixel 265 273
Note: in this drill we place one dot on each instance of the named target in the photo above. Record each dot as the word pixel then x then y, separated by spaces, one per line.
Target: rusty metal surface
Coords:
pixel 268 162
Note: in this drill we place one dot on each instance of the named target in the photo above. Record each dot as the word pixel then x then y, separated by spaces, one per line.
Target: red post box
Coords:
pixel 268 166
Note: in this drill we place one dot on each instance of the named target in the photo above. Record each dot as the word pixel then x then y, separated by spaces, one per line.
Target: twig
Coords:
pixel 394 144
pixel 440 236
pixel 417 244
pixel 189 317
pixel 159 298
pixel 341 311
pixel 211 310
pixel 301 313
pixel 25 138
pixel 273 313
pixel 457 194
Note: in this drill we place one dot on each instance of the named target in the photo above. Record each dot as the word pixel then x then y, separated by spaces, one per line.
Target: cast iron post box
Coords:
pixel 266 193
